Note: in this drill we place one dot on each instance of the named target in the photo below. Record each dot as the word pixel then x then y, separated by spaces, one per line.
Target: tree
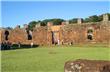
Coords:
pixel 54 21
pixel 100 17
pixel 74 20
pixel 32 24
pixel 44 22
pixel 86 20
pixel 108 15
pixel 94 18
pixel 57 21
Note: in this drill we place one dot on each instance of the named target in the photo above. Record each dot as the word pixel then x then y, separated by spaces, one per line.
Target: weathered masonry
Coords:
pixel 94 32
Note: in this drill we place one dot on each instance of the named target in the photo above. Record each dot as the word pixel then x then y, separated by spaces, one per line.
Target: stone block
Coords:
pixel 82 65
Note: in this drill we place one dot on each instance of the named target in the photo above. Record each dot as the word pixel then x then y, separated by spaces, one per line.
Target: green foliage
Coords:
pixel 74 20
pixel 93 18
pixel 100 17
pixel 86 20
pixel 43 23
pixel 32 24
pixel 57 21
pixel 108 15
pixel 54 21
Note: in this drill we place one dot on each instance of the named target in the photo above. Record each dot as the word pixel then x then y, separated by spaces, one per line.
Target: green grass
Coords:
pixel 49 59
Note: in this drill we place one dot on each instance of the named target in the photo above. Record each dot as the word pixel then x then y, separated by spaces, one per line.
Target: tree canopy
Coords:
pixel 57 21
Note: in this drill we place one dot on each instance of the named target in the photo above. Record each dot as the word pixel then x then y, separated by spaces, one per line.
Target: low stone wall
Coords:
pixel 82 65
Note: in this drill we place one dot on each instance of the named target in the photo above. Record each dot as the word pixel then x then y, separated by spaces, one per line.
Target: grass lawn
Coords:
pixel 49 59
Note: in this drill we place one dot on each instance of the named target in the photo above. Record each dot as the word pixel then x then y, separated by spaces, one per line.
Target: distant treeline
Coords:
pixel 58 21
pixel 93 18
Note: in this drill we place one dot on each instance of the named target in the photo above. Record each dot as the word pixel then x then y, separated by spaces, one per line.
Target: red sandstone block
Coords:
pixel 87 66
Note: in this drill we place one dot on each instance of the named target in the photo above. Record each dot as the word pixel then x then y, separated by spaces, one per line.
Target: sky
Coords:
pixel 22 12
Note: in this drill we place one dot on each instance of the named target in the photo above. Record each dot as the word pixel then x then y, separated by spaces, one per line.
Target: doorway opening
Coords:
pixel 90 34
pixel 29 34
pixel 6 34
pixel 55 37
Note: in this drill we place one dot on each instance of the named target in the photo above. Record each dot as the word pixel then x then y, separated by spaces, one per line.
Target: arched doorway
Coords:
pixel 29 34
pixel 90 33
pixel 6 34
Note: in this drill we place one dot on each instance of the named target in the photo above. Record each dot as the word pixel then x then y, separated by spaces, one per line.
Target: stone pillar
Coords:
pixel 79 21
pixel 105 17
pixel 49 33
pixel 49 24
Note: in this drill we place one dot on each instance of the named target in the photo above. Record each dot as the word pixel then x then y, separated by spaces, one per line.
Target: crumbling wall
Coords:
pixel 3 34
pixel 68 34
pixel 77 33
pixel 103 34
pixel 40 36
pixel 18 35
pixel 74 34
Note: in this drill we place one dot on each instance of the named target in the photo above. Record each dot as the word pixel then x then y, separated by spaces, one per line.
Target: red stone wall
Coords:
pixel 75 33
pixel 78 33
pixel 40 35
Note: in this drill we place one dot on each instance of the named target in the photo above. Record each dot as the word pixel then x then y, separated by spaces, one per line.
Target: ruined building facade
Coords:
pixel 94 32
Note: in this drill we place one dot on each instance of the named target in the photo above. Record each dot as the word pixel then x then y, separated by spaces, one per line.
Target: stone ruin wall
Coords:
pixel 74 33
pixel 39 36
pixel 78 33
pixel 69 33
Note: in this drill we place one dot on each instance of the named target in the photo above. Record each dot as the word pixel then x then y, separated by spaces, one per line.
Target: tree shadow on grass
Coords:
pixel 15 46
